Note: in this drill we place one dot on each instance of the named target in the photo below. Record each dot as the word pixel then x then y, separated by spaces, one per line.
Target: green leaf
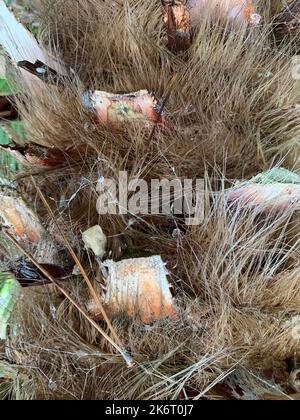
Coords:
pixel 8 295
pixel 3 137
pixel 8 164
pixel 276 175
pixel 5 87
pixel 19 129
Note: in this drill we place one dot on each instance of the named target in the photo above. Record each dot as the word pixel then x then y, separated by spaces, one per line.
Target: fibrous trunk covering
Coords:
pixel 131 93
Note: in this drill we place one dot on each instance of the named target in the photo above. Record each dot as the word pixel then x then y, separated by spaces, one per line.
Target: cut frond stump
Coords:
pixel 109 108
pixel 138 288
pixel 238 12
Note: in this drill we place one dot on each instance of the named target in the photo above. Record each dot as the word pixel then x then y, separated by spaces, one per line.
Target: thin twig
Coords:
pixel 79 265
pixel 162 106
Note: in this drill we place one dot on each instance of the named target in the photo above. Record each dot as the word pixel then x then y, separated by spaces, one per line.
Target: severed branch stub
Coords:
pixel 115 109
pixel 238 12
pixel 177 24
pixel 276 190
pixel 181 17
pixel 20 221
pixel 274 197
pixel 105 109
pixel 24 225
pixel 138 288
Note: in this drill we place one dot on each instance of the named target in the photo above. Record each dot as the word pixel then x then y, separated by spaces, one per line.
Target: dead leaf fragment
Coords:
pixel 95 239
